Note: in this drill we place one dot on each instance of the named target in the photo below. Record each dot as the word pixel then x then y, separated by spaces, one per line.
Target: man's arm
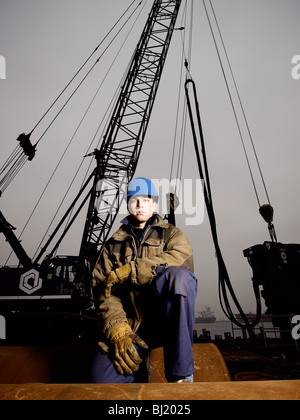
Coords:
pixel 111 311
pixel 119 337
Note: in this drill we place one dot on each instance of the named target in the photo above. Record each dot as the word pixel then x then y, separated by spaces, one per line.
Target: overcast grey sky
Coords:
pixel 44 42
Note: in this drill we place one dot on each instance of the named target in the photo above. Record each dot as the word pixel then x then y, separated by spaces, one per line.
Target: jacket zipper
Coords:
pixel 138 248
pixel 138 243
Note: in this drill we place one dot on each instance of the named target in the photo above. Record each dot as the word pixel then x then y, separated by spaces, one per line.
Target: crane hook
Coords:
pixel 267 212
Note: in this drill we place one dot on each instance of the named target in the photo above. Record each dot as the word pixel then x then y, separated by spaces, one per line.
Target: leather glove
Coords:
pixel 120 275
pixel 125 357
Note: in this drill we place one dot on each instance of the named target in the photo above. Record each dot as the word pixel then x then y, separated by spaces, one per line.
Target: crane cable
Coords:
pixel 18 151
pixel 224 280
pixel 266 210
pixel 225 285
pixel 20 155
pixel 186 57
pixel 11 168
pixel 82 67
pixel 110 106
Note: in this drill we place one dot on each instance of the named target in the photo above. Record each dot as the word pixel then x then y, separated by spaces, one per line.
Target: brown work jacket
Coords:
pixel 162 245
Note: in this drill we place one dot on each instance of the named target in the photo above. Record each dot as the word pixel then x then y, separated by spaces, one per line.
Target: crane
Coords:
pixel 65 281
pixel 120 151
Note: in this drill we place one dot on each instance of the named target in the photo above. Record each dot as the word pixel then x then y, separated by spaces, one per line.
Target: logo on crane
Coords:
pixel 30 282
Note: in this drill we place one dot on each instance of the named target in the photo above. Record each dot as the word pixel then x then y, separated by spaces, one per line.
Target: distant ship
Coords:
pixel 206 317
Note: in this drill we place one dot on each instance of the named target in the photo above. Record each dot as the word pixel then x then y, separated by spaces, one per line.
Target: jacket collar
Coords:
pixel 124 232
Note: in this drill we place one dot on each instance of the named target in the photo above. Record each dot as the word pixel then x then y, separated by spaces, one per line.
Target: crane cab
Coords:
pixel 61 283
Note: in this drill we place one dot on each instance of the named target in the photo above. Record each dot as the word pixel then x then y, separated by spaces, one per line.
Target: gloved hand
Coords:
pixel 125 357
pixel 120 275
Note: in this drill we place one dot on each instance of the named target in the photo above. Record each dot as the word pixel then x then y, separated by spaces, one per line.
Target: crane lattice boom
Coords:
pixel 118 156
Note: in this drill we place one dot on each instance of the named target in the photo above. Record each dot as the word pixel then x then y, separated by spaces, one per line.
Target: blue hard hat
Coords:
pixel 141 187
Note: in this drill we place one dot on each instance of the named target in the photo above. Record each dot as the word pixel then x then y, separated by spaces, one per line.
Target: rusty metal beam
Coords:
pixel 21 365
pixel 274 390
pixel 26 373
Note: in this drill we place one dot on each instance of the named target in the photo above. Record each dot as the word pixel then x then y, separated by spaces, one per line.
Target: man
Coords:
pixel 145 289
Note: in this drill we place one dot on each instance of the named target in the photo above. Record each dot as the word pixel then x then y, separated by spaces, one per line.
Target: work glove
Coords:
pixel 125 356
pixel 120 275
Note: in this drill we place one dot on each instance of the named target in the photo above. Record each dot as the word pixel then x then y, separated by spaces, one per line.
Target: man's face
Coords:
pixel 141 209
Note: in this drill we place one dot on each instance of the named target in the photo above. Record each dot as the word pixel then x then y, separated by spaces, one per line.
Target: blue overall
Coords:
pixel 168 322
